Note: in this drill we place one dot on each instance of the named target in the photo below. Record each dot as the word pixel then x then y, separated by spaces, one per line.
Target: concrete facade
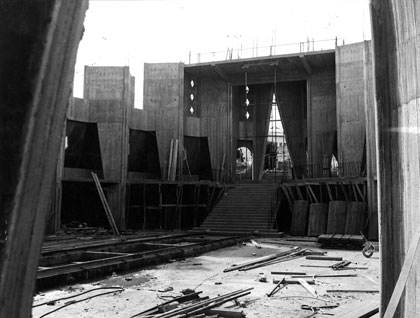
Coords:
pixel 197 103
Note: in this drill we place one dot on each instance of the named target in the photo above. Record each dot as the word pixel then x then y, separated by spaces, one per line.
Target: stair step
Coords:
pixel 244 207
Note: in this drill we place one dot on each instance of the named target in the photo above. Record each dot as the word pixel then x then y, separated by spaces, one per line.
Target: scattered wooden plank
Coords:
pixel 324 275
pixel 287 257
pixel 294 281
pixel 356 311
pixel 181 299
pixel 105 205
pixel 315 253
pixel 402 279
pixel 277 287
pixel 307 287
pixel 352 291
pixel 225 313
pixel 264 259
pixel 288 273
pixel 253 261
pixel 324 258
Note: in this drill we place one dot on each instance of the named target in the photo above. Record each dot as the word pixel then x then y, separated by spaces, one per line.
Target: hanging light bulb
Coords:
pixel 247 89
pixel 247 115
pixel 247 102
pixel 192 110
pixel 192 83
pixel 192 97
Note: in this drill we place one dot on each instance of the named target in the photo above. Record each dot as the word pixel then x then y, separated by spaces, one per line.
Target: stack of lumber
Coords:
pixel 340 240
pixel 199 307
pixel 267 260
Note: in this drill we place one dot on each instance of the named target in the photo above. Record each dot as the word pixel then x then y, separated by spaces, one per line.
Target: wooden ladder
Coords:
pixel 105 205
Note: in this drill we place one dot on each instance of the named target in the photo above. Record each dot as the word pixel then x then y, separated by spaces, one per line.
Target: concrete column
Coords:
pixel 396 42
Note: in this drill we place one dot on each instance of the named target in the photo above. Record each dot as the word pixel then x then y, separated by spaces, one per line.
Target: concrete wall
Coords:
pixel 351 129
pixel 104 83
pixel 212 119
pixel 255 129
pixel 371 160
pixel 322 117
pixel 163 94
pixel 162 85
pixel 396 47
pixel 109 99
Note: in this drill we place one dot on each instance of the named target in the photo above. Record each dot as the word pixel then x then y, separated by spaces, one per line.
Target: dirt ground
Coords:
pixel 148 287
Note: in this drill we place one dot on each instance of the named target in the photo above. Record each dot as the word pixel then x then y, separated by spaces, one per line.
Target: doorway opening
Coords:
pixel 244 163
pixel 277 158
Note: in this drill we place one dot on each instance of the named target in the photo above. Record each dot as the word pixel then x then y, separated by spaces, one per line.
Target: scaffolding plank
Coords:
pixel 105 205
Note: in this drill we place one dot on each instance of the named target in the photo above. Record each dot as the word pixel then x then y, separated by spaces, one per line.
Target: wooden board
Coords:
pixel 337 211
pixel 318 216
pixel 299 218
pixel 359 310
pixel 356 218
pixel 402 279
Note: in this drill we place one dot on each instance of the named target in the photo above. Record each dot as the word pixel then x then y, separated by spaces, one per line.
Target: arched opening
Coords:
pixel 334 166
pixel 277 157
pixel 244 163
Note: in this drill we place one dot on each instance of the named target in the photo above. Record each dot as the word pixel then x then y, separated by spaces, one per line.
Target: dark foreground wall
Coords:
pixel 39 41
pixel 396 45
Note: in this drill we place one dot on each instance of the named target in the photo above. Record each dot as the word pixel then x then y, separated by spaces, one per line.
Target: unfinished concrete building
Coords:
pixel 165 166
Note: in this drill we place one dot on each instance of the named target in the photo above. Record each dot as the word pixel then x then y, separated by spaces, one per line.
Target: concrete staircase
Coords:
pixel 244 208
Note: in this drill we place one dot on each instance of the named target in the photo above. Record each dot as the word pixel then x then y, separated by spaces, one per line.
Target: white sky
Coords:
pixel 123 32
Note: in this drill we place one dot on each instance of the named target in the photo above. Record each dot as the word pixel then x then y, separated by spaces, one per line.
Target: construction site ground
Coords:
pixel 147 287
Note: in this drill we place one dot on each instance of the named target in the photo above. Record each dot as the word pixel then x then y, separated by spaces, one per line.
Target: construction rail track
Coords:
pixel 67 262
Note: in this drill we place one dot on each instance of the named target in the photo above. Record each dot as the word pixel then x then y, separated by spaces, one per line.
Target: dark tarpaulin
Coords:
pixel 144 155
pixel 83 149
pixel 291 101
pixel 197 157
